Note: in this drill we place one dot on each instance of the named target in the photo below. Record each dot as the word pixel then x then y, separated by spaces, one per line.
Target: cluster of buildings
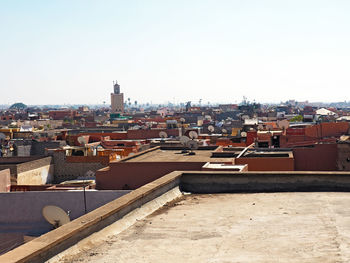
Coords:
pixel 82 159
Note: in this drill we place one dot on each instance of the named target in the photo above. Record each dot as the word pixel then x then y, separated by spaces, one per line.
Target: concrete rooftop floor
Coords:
pixel 263 227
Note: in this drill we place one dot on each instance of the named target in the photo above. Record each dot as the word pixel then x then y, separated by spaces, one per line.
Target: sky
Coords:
pixel 69 52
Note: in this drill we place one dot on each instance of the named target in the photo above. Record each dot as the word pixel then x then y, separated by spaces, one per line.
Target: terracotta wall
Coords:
pixel 132 175
pixel 321 157
pixel 267 163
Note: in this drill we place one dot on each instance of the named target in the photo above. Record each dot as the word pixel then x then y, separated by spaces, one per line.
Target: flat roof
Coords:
pixel 160 155
pixel 262 227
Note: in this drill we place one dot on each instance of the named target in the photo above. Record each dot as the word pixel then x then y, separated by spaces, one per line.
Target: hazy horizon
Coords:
pixel 69 52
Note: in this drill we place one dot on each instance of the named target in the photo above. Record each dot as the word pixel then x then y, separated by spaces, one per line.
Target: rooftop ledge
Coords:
pixel 56 241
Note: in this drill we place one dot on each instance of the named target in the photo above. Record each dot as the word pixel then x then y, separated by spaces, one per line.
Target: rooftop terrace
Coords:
pixel 264 227
pixel 210 217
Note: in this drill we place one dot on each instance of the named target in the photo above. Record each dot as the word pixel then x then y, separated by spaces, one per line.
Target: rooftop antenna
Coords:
pixel 55 215
pixel 183 141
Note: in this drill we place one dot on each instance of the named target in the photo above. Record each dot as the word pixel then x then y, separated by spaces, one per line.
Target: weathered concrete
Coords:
pixel 277 227
pixel 70 234
pixel 56 241
pixel 253 182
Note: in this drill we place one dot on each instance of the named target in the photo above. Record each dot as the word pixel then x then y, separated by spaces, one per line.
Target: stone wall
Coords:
pixel 5 181
pixel 343 158
pixel 29 170
pixel 64 170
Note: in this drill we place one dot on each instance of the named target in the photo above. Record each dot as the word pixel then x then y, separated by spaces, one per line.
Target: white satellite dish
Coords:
pixel 193 135
pixel 284 124
pixel 243 134
pixel 2 136
pixel 224 131
pixel 184 140
pixel 55 215
pixel 82 140
pixel 182 120
pixel 211 128
pixel 193 145
pixel 163 134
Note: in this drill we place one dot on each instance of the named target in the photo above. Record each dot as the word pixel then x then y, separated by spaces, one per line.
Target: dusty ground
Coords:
pixel 276 227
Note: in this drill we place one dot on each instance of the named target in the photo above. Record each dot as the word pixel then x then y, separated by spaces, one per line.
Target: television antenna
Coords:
pixel 55 215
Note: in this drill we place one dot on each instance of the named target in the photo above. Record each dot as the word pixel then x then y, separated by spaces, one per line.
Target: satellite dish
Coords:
pixel 284 124
pixel 182 119
pixel 163 134
pixel 2 136
pixel 55 215
pixel 224 131
pixel 211 128
pixel 193 145
pixel 82 140
pixel 184 140
pixel 193 135
pixel 243 134
pixel 260 127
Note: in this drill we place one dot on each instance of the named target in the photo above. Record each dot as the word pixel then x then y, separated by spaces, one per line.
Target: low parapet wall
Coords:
pixel 255 182
pixel 52 243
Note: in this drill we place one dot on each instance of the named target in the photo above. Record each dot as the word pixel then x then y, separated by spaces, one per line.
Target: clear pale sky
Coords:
pixel 56 52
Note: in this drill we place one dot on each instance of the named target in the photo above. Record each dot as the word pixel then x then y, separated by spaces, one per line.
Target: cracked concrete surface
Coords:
pixel 263 227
